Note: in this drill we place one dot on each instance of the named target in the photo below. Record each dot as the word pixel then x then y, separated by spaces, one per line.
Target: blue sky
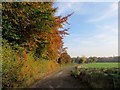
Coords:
pixel 93 28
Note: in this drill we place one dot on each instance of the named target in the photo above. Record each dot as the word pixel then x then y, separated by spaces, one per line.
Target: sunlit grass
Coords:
pixel 101 65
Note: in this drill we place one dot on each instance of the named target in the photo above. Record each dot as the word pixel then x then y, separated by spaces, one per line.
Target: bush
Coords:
pixel 10 65
pixel 20 69
pixel 83 59
pixel 64 58
pixel 75 73
pixel 99 78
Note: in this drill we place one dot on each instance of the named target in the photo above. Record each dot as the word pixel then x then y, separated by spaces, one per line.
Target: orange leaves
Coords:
pixel 34 26
pixel 25 56
pixel 34 29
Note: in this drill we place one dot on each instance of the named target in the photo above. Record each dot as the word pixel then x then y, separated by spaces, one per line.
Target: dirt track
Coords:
pixel 60 79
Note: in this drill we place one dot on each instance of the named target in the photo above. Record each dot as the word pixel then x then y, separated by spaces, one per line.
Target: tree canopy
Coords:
pixel 34 27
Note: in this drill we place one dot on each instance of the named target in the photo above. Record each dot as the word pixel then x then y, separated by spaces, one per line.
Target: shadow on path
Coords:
pixel 60 79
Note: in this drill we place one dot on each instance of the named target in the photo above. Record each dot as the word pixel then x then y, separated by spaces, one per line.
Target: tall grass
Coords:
pixel 20 69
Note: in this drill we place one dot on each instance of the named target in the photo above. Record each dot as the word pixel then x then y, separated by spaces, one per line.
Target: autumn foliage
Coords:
pixel 34 27
pixel 30 32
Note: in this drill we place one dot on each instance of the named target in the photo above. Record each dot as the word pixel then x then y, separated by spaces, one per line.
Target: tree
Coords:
pixel 33 26
pixel 83 59
pixel 92 59
pixel 64 58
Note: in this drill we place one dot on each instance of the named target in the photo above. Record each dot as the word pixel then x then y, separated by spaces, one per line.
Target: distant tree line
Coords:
pixel 84 59
pixel 108 59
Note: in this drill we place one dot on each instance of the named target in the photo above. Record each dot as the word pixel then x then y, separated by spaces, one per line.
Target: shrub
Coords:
pixel 20 69
pixel 10 65
pixel 99 78
pixel 64 58
pixel 83 59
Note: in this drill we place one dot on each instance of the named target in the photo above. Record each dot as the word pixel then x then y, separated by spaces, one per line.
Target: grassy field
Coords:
pixel 101 65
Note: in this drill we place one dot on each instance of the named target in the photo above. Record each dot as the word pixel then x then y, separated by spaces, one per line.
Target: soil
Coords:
pixel 60 79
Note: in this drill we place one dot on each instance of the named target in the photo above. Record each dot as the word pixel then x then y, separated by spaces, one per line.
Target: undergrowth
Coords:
pixel 98 77
pixel 20 69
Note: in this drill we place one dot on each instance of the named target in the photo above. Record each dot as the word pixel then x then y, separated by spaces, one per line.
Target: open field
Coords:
pixel 101 65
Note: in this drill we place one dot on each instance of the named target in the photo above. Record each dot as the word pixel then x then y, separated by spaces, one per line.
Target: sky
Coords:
pixel 93 28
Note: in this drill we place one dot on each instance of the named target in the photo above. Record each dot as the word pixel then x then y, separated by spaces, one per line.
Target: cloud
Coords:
pixel 68 7
pixel 104 42
pixel 63 7
pixel 112 11
pixel 107 34
pixel 87 0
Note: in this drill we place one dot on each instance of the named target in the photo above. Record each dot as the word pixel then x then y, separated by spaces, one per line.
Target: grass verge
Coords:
pixel 95 76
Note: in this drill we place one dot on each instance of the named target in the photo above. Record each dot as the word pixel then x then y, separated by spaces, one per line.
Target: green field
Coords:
pixel 101 65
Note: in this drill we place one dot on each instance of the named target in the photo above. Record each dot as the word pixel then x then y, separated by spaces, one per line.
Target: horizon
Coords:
pixel 97 56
